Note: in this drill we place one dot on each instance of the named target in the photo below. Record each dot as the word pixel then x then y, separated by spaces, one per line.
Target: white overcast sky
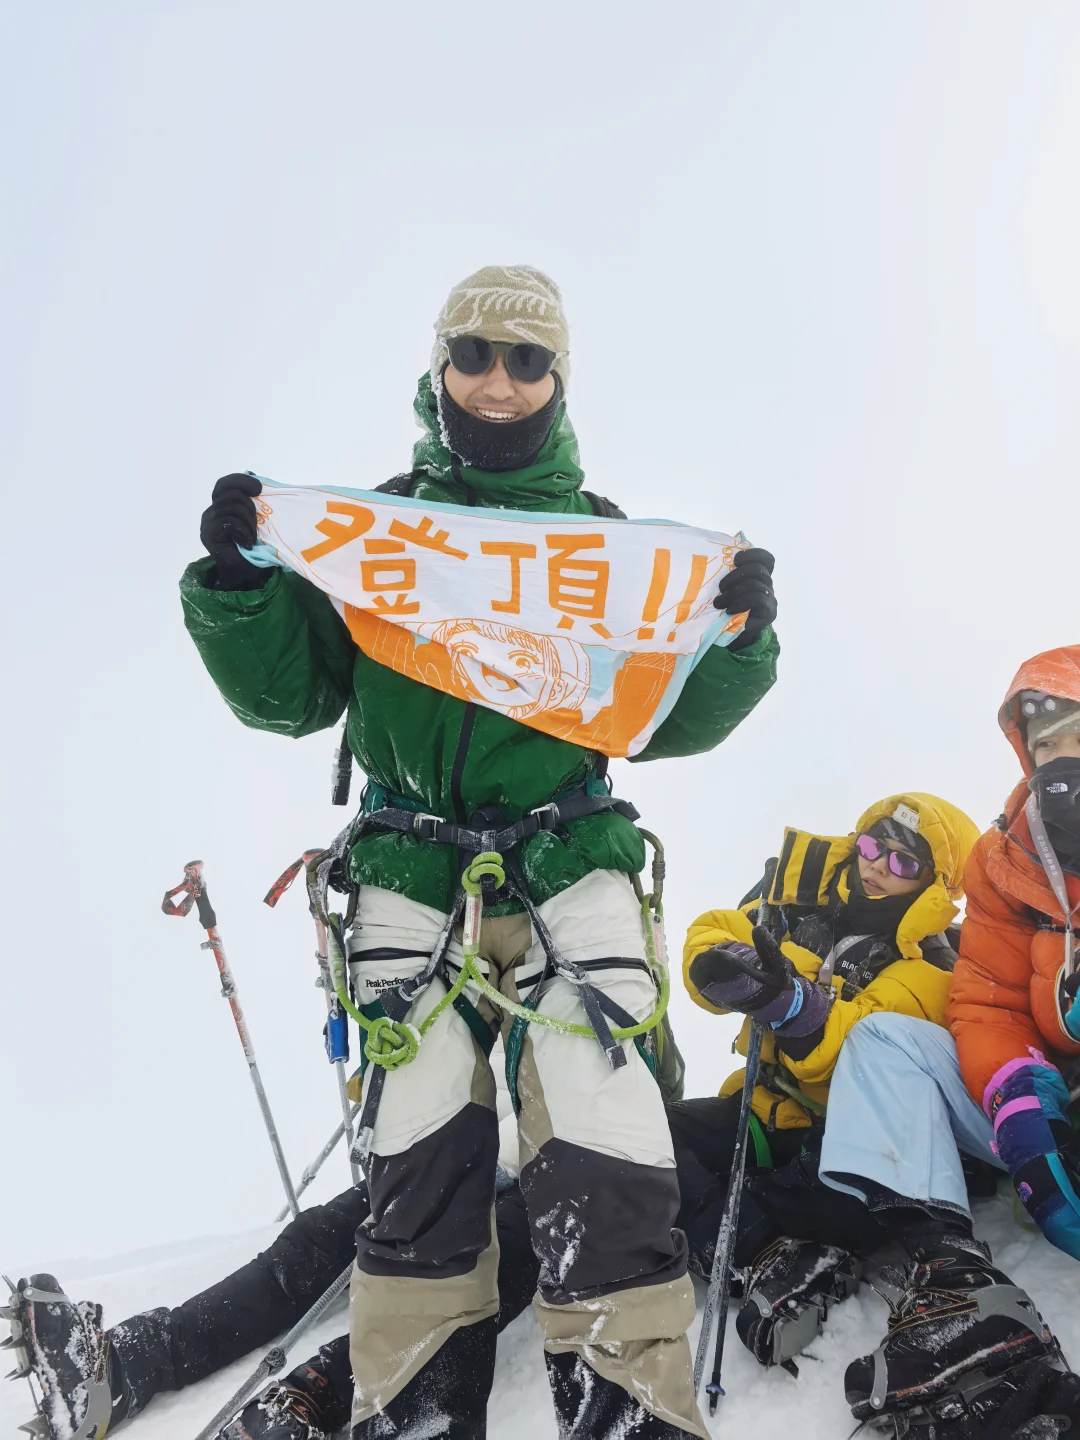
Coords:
pixel 821 260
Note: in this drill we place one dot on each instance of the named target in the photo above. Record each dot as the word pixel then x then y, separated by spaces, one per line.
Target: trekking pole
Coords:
pixel 316 1165
pixel 274 1359
pixel 193 889
pixel 719 1293
pixel 336 1031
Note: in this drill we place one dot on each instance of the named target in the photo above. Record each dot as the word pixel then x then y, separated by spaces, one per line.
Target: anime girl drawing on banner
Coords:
pixel 512 670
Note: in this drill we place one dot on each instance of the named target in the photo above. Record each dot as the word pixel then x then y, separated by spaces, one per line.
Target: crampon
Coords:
pixel 59 1348
pixel 788 1292
pixel 967 1357
pixel 279 1413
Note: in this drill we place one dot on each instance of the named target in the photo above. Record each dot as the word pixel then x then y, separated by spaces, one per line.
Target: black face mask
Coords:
pixel 863 915
pixel 497 445
pixel 1056 787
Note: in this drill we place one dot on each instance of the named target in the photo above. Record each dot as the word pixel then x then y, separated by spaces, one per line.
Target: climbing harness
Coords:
pixel 390 1039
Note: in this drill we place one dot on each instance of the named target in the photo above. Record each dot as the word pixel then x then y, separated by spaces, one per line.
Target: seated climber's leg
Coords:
pixel 598 1176
pixel 424 1294
pixel 963 1340
pixel 900 1114
pixel 166 1349
pixel 703 1133
pixel 804 1235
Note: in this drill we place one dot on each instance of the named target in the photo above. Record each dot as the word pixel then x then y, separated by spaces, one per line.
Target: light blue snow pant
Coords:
pixel 899 1112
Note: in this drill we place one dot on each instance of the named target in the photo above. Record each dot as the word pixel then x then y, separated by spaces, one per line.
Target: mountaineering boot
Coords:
pixel 60 1346
pixel 279 1413
pixel 311 1403
pixel 788 1290
pixel 1032 1401
pixel 966 1351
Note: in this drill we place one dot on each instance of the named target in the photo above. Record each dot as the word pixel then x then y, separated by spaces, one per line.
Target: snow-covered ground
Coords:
pixel 758 1403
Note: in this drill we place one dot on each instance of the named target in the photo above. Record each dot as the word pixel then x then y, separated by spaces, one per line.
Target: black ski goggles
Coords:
pixel 525 362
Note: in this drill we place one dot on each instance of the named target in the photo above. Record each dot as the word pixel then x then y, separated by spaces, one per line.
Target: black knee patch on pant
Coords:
pixel 600 1224
pixel 431 1205
pixel 592 1408
pixel 448 1397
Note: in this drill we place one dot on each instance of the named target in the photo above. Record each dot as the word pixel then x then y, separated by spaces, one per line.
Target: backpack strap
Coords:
pixel 603 507
pixel 399 484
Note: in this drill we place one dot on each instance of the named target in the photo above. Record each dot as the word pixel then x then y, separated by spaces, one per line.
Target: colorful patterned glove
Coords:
pixel 1029 1104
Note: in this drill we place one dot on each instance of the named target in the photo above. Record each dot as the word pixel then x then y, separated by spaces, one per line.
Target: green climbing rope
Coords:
pixel 391 1043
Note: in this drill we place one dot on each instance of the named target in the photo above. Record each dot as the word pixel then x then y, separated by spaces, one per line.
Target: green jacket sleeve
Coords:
pixel 721 691
pixel 281 656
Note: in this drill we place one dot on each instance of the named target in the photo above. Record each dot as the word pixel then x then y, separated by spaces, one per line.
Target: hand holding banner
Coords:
pixel 583 628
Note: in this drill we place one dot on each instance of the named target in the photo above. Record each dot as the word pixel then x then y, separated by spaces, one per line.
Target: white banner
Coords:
pixel 584 628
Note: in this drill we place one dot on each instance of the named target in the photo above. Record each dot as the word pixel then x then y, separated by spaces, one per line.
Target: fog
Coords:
pixel 820 266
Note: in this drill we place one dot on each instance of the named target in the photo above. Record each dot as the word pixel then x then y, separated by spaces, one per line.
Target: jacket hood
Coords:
pixel 555 472
pixel 1057 672
pixel 809 864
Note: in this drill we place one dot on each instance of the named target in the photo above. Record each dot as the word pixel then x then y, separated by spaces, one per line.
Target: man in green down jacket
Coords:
pixel 597 1170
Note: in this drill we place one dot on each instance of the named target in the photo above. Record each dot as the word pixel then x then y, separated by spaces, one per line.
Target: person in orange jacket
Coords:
pixel 1014 1010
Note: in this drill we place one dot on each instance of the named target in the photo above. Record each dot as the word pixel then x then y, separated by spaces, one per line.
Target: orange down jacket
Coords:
pixel 1004 1004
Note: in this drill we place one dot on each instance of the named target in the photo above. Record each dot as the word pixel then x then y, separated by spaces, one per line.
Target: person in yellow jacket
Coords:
pixel 865 928
pixel 846 963
pixel 858 924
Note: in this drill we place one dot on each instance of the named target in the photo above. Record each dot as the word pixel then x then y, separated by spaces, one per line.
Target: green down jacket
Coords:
pixel 284 661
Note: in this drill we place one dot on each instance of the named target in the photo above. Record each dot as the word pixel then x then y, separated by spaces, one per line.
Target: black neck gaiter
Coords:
pixel 863 915
pixel 1056 787
pixel 496 445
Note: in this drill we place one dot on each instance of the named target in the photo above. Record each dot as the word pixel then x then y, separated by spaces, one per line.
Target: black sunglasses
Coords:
pixel 526 363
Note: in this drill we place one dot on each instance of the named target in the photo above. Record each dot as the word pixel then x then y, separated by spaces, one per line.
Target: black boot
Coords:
pixel 588 1407
pixel 788 1291
pixel 965 1348
pixel 311 1403
pixel 60 1345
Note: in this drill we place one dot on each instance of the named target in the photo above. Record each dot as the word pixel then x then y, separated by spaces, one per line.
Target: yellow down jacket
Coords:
pixel 811 869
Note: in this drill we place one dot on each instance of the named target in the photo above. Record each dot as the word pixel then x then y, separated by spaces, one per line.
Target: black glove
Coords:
pixel 229 522
pixel 748 586
pixel 742 977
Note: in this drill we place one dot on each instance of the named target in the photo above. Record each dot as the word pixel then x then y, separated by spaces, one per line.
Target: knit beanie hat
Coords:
pixel 506 304
pixel 1062 719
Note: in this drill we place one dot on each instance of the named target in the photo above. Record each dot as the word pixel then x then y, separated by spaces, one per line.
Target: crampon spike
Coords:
pixel 36 1427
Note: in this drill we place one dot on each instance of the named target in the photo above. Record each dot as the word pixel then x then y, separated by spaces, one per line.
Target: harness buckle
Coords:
pixel 547 816
pixel 418 826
